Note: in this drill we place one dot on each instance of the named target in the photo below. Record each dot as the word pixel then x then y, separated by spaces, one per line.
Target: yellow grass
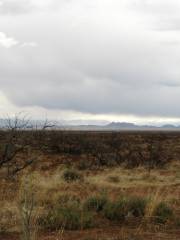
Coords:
pixel 162 184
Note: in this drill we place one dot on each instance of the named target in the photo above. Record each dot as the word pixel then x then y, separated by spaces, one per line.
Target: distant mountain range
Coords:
pixel 120 126
pixel 98 126
pixel 126 125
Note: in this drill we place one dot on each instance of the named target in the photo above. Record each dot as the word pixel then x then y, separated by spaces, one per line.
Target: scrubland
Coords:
pixel 93 186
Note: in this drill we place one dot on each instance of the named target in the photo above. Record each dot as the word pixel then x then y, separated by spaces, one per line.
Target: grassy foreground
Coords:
pixel 72 201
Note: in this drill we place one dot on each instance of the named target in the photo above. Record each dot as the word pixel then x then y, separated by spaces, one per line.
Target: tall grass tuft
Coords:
pixel 27 210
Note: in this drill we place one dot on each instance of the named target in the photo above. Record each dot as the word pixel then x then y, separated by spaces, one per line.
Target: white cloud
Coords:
pixel 29 44
pixel 93 57
pixel 6 41
pixel 9 42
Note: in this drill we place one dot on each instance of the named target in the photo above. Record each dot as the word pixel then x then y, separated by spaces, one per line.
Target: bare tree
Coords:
pixel 15 154
pixel 48 124
pixel 13 146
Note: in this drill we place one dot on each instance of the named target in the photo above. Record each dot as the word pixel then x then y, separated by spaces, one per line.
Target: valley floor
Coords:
pixel 159 184
pixel 77 193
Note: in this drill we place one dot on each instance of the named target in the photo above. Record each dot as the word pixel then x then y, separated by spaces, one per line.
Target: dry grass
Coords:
pixel 49 187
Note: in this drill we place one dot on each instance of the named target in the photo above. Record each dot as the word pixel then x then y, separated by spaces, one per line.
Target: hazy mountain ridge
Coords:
pixel 122 126
pixel 97 126
pixel 135 126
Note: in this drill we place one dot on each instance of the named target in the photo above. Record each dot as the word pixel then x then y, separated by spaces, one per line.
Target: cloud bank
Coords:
pixel 93 57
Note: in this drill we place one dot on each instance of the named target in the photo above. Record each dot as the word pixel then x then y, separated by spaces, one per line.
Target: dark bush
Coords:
pixel 96 203
pixel 70 217
pixel 177 221
pixel 162 213
pixel 116 211
pixel 113 179
pixel 71 175
pixel 84 164
pixel 137 206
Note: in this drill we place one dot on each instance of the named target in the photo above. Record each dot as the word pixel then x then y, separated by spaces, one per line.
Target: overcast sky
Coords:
pixel 91 59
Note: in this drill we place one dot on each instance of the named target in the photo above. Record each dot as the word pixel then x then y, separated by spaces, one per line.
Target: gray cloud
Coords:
pixel 21 7
pixel 95 58
pixel 161 15
pixel 13 7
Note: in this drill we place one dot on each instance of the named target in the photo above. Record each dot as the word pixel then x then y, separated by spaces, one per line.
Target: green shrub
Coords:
pixel 67 218
pixel 116 211
pixel 113 179
pixel 71 175
pixel 3 229
pixel 68 199
pixel 96 203
pixel 84 164
pixel 137 206
pixel 162 213
pixel 177 221
pixel 70 217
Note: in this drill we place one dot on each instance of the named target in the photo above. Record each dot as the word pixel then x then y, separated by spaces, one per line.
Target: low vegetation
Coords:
pixel 163 213
pixel 116 211
pixel 96 203
pixel 69 217
pixel 98 185
pixel 70 175
pixel 137 206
